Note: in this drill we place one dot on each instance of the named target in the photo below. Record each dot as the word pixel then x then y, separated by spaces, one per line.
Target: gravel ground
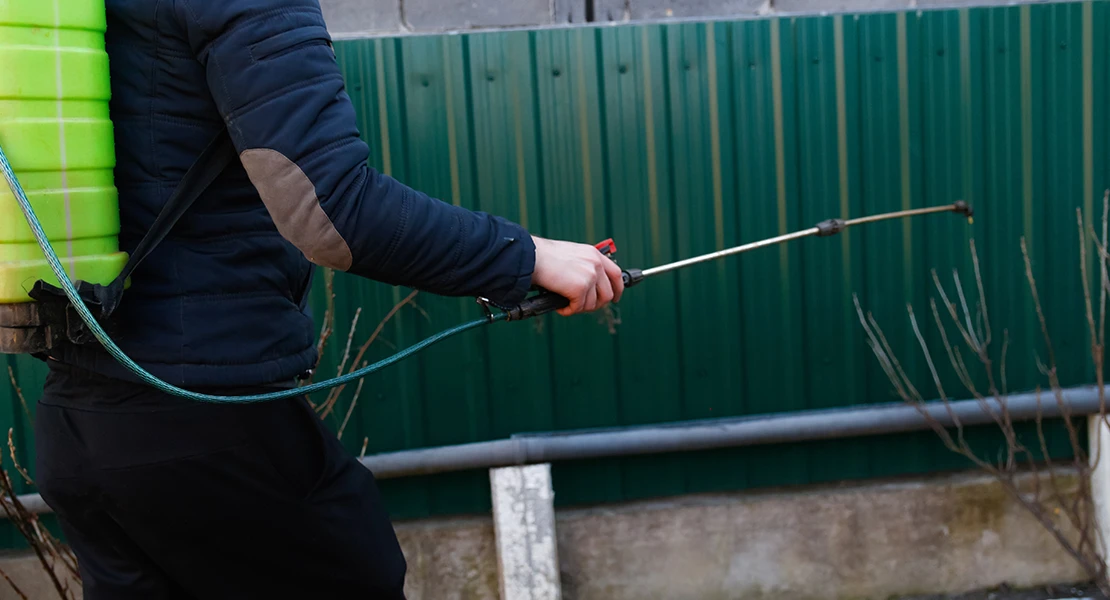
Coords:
pixel 1046 593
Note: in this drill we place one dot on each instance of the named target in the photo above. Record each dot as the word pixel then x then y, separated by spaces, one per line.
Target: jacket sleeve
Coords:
pixel 274 77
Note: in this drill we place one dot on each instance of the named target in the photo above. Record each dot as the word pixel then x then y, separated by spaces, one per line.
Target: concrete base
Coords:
pixel 947 534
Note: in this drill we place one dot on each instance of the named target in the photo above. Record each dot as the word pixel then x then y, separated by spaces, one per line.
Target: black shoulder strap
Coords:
pixel 212 161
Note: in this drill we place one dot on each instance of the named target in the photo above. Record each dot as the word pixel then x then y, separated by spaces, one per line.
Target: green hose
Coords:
pixel 99 333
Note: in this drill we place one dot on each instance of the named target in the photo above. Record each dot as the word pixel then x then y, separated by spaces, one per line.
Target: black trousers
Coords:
pixel 165 498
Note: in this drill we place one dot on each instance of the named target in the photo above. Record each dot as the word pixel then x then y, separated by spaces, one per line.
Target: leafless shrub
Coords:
pixel 1066 513
pixel 346 365
pixel 57 560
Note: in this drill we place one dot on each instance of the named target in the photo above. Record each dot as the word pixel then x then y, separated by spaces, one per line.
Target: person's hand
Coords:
pixel 579 273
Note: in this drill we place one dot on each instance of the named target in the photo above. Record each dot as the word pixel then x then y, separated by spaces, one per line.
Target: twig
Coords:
pixel 1037 302
pixel 19 394
pixel 1105 276
pixel 351 408
pixel 1051 370
pixel 897 377
pixel 15 461
pixel 889 352
pixel 23 520
pixel 1002 361
pixel 420 309
pixel 1097 359
pixel 886 360
pixel 953 353
pixel 982 294
pixel 12 583
pixel 1087 288
pixel 329 315
pixel 925 351
pixel 333 396
pixel 976 345
pixel 952 312
pixel 350 339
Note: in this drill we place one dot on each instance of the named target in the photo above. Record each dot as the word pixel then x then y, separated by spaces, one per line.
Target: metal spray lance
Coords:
pixel 544 301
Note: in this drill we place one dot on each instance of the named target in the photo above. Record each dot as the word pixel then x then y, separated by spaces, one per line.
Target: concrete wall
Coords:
pixel 355 18
pixel 945 534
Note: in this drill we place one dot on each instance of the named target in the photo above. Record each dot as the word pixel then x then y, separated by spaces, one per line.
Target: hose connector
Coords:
pixel 831 227
pixel 631 277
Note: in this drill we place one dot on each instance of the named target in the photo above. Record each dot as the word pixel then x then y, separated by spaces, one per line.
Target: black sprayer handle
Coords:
pixel 545 301
pixel 537 305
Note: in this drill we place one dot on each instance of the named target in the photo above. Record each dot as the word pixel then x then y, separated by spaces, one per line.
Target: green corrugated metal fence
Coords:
pixel 678 139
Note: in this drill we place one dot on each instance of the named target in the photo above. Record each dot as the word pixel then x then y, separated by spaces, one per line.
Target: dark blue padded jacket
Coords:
pixel 222 300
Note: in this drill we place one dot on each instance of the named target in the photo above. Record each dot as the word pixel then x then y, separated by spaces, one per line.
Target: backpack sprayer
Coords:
pixel 538 304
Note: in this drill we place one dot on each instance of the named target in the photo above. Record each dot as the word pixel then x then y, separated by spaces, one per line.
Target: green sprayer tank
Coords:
pixel 55 130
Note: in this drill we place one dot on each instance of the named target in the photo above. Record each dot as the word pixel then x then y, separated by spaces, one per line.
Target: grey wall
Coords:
pixel 356 18
pixel 946 534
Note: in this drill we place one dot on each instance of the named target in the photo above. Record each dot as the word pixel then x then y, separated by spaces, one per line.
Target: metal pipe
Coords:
pixel 708 434
pixel 718 433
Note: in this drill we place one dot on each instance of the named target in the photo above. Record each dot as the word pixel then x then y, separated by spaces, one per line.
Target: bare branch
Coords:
pixel 1086 284
pixel 351 408
pixel 26 523
pixel 925 353
pixel 953 313
pixel 1104 274
pixel 19 394
pixel 967 313
pixel 1002 365
pixel 15 461
pixel 1037 303
pixel 982 294
pixel 879 345
pixel 350 339
pixel 896 378
pixel 333 396
pixel 878 338
pixel 328 325
pixel 12 583
pixel 329 313
pixel 953 353
pixel 420 309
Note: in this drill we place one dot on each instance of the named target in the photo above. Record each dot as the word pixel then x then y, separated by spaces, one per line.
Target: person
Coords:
pixel 161 497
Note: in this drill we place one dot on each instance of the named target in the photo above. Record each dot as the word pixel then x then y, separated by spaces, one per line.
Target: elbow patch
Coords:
pixel 290 198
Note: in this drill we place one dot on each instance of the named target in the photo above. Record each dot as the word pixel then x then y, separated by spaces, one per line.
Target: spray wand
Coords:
pixel 545 301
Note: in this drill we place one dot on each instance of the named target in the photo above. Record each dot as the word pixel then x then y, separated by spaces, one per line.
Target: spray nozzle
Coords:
pixel 963 208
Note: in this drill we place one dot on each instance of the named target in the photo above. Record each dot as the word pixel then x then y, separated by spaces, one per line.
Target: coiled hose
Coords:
pixel 101 336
